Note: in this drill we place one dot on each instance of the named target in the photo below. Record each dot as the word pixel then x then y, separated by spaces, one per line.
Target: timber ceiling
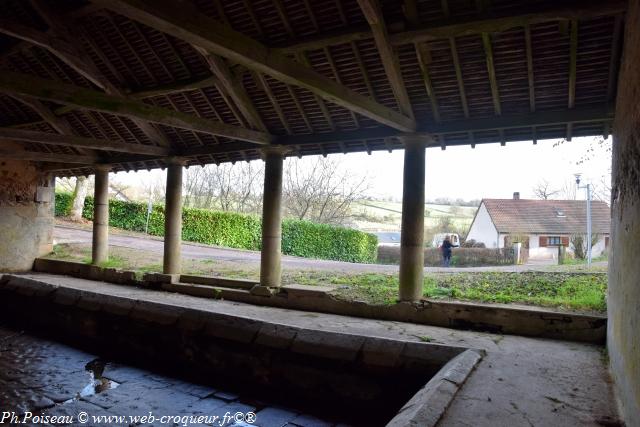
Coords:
pixel 130 82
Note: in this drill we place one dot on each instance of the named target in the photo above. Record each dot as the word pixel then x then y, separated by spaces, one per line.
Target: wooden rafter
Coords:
pixel 301 57
pixel 491 69
pixel 229 83
pixel 530 76
pixel 59 42
pixel 573 63
pixel 176 87
pixel 373 13
pixel 436 130
pixel 189 25
pixel 483 23
pixel 24 85
pixel 264 85
pixel 37 156
pixel 540 118
pixel 424 60
pixel 79 142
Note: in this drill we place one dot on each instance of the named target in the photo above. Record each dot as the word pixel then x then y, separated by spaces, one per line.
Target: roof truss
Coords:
pixel 187 24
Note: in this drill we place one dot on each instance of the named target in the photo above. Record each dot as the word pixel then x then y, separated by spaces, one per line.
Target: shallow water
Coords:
pixel 46 378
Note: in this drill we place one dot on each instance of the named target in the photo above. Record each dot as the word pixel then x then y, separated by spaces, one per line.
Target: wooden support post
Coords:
pixel 270 264
pixel 412 237
pixel 100 244
pixel 173 218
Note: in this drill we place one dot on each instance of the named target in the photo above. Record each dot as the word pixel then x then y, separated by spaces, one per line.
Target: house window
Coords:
pixel 554 241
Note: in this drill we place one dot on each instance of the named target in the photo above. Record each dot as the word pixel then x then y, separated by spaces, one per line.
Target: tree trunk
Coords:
pixel 79 194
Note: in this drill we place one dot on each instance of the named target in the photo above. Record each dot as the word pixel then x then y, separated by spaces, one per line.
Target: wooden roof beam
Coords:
pixel 573 63
pixel 482 23
pixel 38 156
pixel 188 24
pixel 80 142
pixel 25 85
pixel 491 69
pixel 540 118
pixel 373 13
pixel 530 76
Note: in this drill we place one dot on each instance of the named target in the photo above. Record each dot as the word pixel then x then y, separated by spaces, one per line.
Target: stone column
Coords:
pixel 270 267
pixel 623 302
pixel 100 246
pixel 412 238
pixel 173 218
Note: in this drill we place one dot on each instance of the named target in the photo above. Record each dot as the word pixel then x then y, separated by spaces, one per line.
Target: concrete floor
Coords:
pixel 521 381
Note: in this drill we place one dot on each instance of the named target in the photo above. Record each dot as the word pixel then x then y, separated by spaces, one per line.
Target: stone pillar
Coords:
pixel 100 245
pixel 623 302
pixel 412 237
pixel 270 258
pixel 26 214
pixel 173 218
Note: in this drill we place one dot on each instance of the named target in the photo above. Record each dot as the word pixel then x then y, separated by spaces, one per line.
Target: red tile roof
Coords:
pixel 547 216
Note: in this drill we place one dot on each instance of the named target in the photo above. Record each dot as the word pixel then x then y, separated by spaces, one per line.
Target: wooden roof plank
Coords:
pixel 482 23
pixel 188 24
pixel 24 85
pixel 80 142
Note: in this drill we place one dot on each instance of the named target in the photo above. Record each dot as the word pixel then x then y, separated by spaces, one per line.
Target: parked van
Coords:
pixel 439 238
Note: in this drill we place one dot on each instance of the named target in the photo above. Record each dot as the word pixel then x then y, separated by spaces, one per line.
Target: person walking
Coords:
pixel 446 251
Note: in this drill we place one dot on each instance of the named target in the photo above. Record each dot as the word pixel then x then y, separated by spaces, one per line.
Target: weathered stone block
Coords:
pixel 153 312
pixel 331 345
pixel 232 328
pixel 261 291
pixel 382 352
pixel 276 336
pixel 66 296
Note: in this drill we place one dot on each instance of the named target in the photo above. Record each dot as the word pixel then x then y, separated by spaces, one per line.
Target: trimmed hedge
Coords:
pixel 228 229
pixel 460 257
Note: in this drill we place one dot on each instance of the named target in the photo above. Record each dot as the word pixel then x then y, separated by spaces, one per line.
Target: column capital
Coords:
pixel 102 167
pixel 175 161
pixel 416 138
pixel 278 150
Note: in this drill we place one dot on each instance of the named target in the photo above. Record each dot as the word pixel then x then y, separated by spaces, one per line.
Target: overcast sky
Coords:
pixel 488 171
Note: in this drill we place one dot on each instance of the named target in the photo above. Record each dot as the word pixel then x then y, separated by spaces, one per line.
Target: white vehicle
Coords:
pixel 439 238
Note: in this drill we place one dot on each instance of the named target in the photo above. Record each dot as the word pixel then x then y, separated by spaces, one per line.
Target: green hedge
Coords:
pixel 299 238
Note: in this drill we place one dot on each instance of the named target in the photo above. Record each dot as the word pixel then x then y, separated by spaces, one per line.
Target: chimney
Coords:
pixel 516 195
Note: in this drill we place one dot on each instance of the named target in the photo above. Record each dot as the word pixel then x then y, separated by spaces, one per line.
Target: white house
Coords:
pixel 541 225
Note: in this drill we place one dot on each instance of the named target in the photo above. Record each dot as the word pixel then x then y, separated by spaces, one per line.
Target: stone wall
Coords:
pixel 624 269
pixel 26 215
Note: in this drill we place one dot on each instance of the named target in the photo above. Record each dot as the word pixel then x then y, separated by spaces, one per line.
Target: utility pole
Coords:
pixel 588 188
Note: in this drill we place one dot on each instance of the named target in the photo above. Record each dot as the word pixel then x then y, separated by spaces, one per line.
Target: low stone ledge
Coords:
pixel 382 354
pixel 218 281
pixel 232 328
pixel 153 312
pixel 330 345
pixel 276 335
pixel 534 322
pixel 427 406
pixel 306 291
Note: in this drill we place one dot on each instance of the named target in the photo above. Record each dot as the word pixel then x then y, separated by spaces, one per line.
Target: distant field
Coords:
pixel 386 216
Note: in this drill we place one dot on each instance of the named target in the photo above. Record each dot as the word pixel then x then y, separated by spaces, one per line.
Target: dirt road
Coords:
pixel 65 234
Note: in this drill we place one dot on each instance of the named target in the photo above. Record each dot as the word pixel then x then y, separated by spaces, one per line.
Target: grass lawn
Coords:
pixel 582 292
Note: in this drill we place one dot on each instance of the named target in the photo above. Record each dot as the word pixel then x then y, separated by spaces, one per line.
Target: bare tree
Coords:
pixel 321 190
pixel 235 188
pixel 543 190
pixel 79 196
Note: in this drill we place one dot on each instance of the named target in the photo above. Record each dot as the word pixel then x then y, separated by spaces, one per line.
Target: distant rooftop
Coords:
pixel 547 216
